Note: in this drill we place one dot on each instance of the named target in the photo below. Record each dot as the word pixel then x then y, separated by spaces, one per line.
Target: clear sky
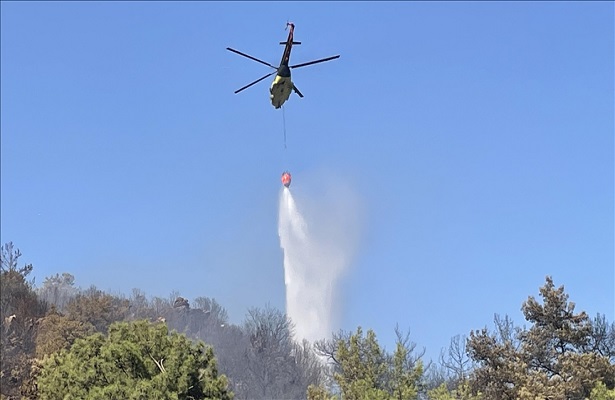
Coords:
pixel 477 135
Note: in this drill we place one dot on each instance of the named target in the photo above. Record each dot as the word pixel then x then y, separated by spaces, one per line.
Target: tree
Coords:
pixel 20 310
pixel 203 321
pixel 561 356
pixel 315 392
pixel 58 290
pixel 456 360
pixel 309 369
pixel 97 308
pixel 600 392
pixel 273 366
pixel 231 347
pixel 57 332
pixel 136 360
pixel 216 313
pixel 435 376
pixel 556 347
pixel 363 367
pixel 499 365
pixel 602 340
pixel 461 392
pixel 363 370
pixel 406 369
pixel 440 393
pixel 17 295
pixel 140 307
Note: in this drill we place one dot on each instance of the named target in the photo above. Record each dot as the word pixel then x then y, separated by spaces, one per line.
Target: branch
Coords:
pixel 158 364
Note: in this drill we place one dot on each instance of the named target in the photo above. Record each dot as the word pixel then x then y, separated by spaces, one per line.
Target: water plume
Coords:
pixel 318 243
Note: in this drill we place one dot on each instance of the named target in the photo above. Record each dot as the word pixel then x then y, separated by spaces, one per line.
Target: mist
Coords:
pixel 319 230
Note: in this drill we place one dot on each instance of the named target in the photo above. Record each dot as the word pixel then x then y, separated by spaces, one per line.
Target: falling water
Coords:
pixel 315 256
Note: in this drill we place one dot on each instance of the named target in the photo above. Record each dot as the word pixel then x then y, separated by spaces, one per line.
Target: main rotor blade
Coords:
pixel 297 90
pixel 251 58
pixel 254 83
pixel 315 62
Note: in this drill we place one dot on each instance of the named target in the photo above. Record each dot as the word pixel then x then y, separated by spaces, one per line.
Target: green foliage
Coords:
pixel 97 308
pixel 440 393
pixel 136 360
pixel 461 392
pixel 57 354
pixel 363 367
pixel 319 393
pixel 600 392
pixel 57 332
pixel 559 356
pixel 366 371
pixel 405 376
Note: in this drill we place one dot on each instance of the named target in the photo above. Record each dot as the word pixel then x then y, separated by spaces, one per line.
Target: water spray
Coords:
pixel 317 249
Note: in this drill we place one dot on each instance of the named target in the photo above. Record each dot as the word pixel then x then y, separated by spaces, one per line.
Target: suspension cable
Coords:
pixel 284 125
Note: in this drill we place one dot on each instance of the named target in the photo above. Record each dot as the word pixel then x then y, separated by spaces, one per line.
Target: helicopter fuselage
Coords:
pixel 281 87
pixel 280 90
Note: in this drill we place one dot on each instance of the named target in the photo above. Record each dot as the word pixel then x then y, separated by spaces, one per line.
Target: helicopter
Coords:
pixel 282 85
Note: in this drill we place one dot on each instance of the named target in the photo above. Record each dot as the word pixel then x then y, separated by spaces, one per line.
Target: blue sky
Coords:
pixel 478 136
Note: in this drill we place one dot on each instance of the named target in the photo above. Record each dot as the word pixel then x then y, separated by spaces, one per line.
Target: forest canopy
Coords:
pixel 62 341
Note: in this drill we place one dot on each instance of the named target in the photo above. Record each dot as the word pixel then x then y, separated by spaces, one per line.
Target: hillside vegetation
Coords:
pixel 60 341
